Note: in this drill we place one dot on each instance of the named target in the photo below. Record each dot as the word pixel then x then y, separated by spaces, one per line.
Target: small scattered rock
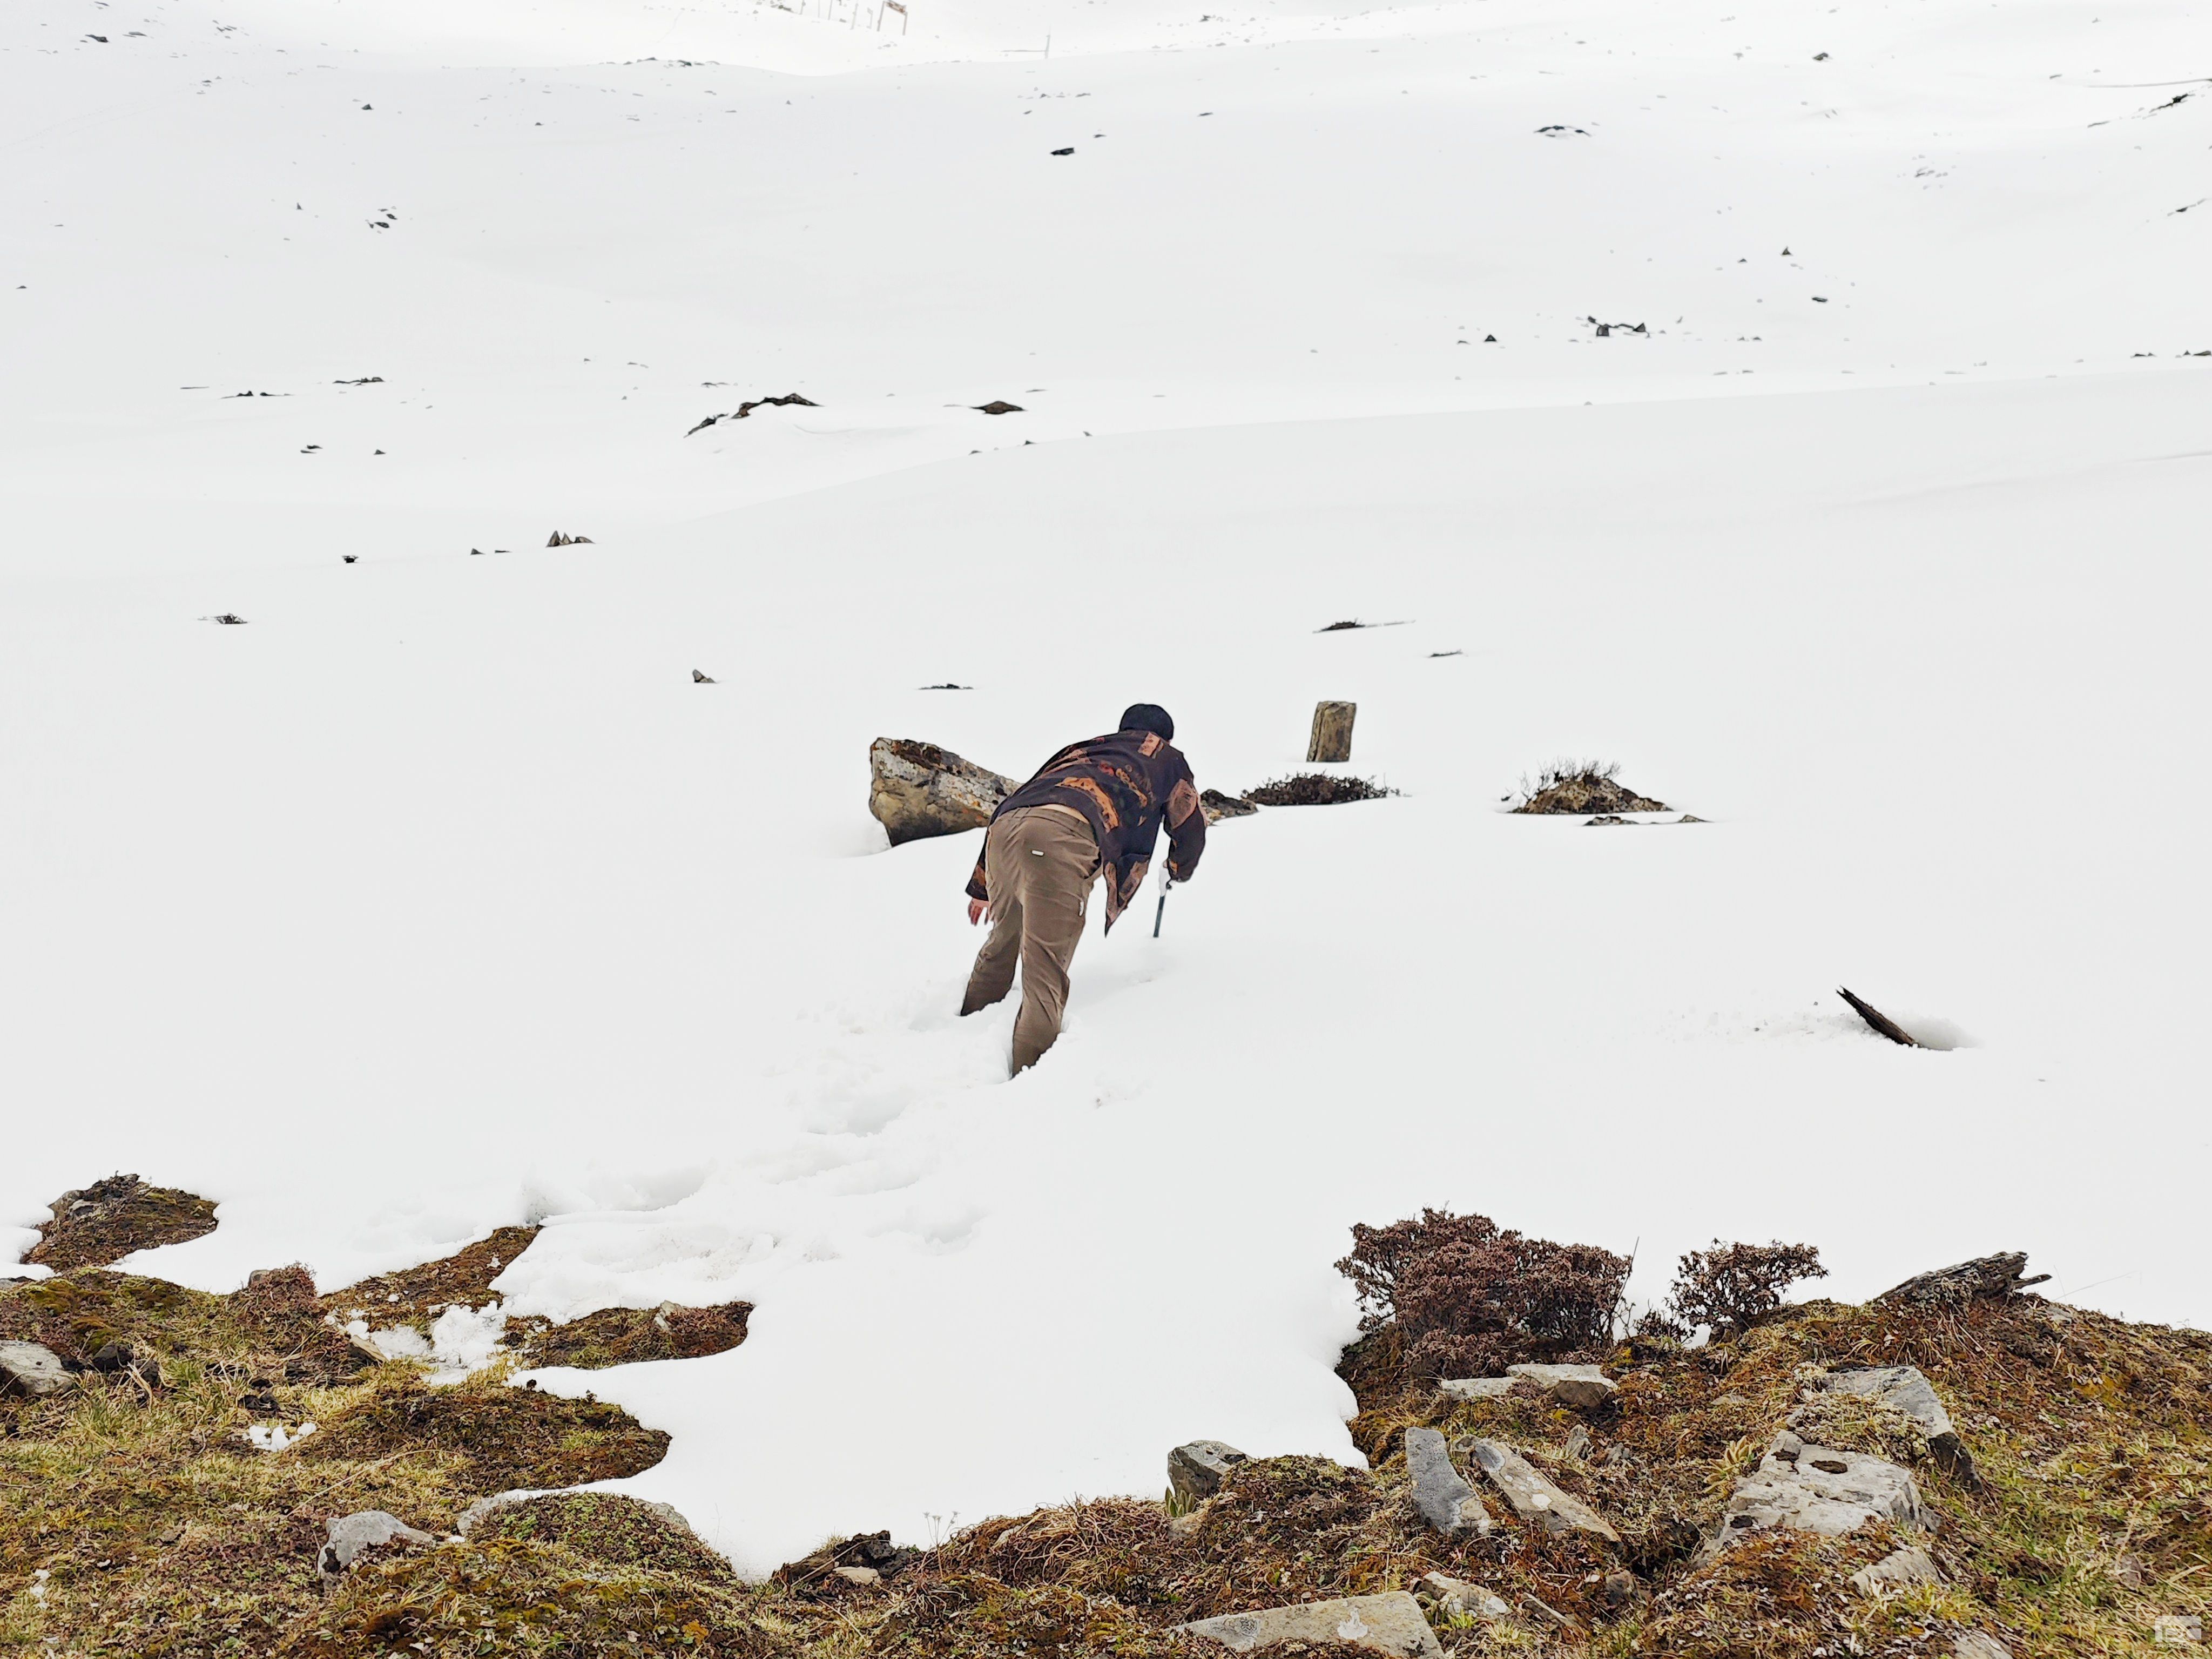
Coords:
pixel 1390 1623
pixel 1458 1596
pixel 1978 1644
pixel 560 539
pixel 31 1369
pixel 1578 1442
pixel 859 1575
pixel 353 1535
pixel 917 790
pixel 744 410
pixel 1898 1569
pixel 700 677
pixel 1446 1502
pixel 1218 806
pixel 1533 1495
pixel 474 1515
pixel 1196 1469
pixel 1477 1387
pixel 1069 150
pixel 1582 1387
pixel 2177 1630
pixel 997 406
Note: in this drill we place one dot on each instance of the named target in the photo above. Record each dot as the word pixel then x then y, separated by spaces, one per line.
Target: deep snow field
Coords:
pixel 438 896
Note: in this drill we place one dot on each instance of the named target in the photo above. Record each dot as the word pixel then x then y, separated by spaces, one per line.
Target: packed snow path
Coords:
pixel 438 896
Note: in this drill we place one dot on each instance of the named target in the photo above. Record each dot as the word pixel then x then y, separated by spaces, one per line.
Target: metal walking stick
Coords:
pixel 1159 915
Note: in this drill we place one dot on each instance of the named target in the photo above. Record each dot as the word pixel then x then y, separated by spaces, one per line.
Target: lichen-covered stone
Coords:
pixel 1533 1495
pixel 1580 1386
pixel 1390 1623
pixel 31 1368
pixel 1800 1488
pixel 917 790
pixel 1446 1502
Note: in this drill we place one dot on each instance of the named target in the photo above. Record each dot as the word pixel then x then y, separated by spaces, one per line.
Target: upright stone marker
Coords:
pixel 1332 731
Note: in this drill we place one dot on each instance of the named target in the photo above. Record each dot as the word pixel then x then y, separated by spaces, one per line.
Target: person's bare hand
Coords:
pixel 977 910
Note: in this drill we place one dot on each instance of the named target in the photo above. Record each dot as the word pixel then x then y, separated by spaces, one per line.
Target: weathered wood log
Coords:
pixel 1332 731
pixel 1881 1022
pixel 917 790
pixel 1969 1281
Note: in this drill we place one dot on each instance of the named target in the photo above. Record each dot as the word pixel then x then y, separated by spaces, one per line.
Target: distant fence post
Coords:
pixel 1332 731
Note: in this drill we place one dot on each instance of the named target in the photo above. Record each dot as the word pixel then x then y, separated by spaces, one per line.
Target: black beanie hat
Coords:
pixel 1148 717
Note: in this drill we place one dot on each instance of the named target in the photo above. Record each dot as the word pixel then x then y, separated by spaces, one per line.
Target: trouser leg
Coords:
pixel 1062 861
pixel 992 976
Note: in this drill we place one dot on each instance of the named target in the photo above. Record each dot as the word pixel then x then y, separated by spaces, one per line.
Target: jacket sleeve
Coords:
pixel 1186 820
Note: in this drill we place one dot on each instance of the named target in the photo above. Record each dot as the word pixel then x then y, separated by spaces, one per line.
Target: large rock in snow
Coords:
pixel 1445 1501
pixel 1390 1623
pixel 917 790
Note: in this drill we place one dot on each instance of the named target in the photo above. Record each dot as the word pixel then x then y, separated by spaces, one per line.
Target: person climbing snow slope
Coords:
pixel 1095 807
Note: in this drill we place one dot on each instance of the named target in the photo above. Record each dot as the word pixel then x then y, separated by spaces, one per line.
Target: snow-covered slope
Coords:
pixel 438 896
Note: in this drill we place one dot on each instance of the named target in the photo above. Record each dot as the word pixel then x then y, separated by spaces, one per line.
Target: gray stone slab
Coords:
pixel 350 1536
pixel 1390 1623
pixel 1533 1495
pixel 1904 1387
pixel 1445 1501
pixel 1978 1644
pixel 1898 1569
pixel 1197 1468
pixel 1477 1387
pixel 1579 1386
pixel 1459 1598
pixel 1799 1488
pixel 31 1368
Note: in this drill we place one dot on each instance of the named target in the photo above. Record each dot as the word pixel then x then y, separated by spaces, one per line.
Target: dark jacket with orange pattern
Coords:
pixel 1125 783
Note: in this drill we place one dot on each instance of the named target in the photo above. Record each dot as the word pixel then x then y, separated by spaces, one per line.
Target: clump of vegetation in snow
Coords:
pixel 1579 787
pixel 1472 1297
pixel 1316 789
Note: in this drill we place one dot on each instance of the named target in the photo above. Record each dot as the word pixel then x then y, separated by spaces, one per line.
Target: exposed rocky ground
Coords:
pixel 1580 786
pixel 1962 1468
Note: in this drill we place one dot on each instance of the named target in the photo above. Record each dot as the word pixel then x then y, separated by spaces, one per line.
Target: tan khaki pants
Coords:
pixel 1038 863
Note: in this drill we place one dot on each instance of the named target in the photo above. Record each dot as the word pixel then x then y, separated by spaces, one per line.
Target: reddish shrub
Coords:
pixel 1472 1297
pixel 1729 1286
